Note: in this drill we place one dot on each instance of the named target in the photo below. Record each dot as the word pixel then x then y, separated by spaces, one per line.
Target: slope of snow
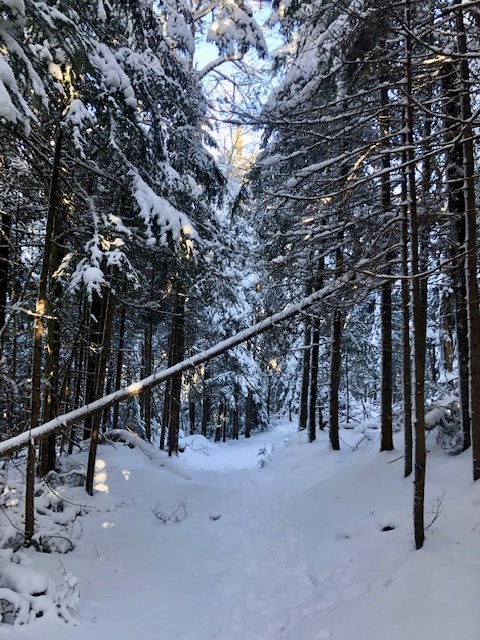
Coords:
pixel 286 545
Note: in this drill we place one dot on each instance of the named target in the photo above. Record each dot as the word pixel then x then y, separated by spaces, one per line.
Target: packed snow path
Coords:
pixel 291 550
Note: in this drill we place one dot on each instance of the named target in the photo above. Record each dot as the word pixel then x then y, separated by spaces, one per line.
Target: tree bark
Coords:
pixel 473 312
pixel 178 347
pixel 248 414
pixel 313 395
pixel 418 311
pixel 41 304
pixel 102 358
pixel 335 363
pixel 303 413
pixel 386 443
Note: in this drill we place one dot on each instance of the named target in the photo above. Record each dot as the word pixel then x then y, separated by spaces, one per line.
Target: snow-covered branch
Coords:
pixel 61 422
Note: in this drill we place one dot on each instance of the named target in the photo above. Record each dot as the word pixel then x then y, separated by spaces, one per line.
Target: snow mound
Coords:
pixel 27 593
pixel 199 444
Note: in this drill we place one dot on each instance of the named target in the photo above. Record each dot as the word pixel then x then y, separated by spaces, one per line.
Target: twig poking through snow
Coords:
pixel 177 515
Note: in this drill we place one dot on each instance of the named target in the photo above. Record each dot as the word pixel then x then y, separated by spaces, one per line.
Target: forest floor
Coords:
pixel 224 543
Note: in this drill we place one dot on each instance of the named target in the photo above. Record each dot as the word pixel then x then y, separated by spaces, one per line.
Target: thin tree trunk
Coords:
pixel 206 403
pixel 335 362
pixel 335 367
pixel 178 348
pixel 5 251
pixel 406 342
pixel 52 361
pixel 119 365
pixel 418 311
pixel 313 395
pixel 457 207
pixel 102 359
pixel 303 413
pixel 248 414
pixel 386 443
pixel 192 416
pixel 40 307
pixel 473 312
pixel 147 399
pixel 93 350
pixel 235 416
pixel 30 495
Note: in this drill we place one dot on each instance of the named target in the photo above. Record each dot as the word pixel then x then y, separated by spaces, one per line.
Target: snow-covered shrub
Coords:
pixel 447 419
pixel 55 514
pixel 27 592
pixel 264 456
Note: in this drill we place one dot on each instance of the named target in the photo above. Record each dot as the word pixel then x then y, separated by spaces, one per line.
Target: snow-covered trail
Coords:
pixel 291 551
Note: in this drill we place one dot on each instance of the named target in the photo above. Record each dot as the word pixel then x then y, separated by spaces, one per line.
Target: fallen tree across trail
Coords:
pixel 58 424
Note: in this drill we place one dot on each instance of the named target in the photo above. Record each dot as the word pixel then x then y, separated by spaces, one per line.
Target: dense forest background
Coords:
pixel 132 239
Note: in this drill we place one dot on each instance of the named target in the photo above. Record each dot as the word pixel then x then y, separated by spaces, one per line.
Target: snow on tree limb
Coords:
pixel 68 419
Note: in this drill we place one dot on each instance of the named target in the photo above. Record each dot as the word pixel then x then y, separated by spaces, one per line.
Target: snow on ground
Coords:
pixel 286 545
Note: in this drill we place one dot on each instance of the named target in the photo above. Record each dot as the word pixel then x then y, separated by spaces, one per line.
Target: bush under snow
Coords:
pixel 27 592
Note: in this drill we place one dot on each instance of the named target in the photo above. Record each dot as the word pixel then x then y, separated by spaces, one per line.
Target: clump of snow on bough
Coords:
pixel 27 592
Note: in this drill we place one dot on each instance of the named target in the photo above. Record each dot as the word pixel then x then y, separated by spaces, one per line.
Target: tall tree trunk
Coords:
pixel 418 311
pixel 235 415
pixel 178 348
pixel 100 374
pixel 41 304
pixel 335 361
pixel 147 398
pixel 473 312
pixel 38 333
pixel 457 207
pixel 5 251
pixel 313 395
pixel 307 345
pixel 335 366
pixel 95 331
pixel 386 443
pixel 206 402
pixel 120 359
pixel 192 416
pixel 248 414
pixel 51 403
pixel 406 342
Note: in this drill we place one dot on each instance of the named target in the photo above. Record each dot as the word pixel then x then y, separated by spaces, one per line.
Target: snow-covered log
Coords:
pixel 61 422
